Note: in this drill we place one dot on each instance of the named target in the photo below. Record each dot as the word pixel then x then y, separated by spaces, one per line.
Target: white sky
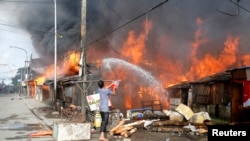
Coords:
pixel 11 35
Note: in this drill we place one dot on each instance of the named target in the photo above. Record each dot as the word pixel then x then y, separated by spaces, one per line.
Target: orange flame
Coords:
pixel 134 47
pixel 69 66
pixel 164 68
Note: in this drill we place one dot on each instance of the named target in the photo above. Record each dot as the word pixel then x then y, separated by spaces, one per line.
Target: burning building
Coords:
pixel 148 45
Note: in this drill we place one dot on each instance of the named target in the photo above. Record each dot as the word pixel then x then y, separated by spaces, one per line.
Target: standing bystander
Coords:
pixel 104 92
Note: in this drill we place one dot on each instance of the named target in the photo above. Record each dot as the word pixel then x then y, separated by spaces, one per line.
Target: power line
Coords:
pixel 119 27
pixel 11 71
pixel 27 1
pixel 8 24
pixel 237 4
pixel 4 24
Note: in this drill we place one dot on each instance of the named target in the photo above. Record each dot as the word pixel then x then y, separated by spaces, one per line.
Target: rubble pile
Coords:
pixel 72 113
pixel 181 120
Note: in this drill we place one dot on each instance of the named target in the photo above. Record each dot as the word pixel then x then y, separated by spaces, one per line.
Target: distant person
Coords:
pixel 104 92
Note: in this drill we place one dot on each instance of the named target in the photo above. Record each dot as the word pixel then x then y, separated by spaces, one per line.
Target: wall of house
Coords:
pixel 200 93
pixel 212 98
pixel 31 88
pixel 223 111
pixel 45 92
pixel 39 94
pixel 77 97
pixel 70 94
pixel 174 98
pixel 239 113
pixel 42 92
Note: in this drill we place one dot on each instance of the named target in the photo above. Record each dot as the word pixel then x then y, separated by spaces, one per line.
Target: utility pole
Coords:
pixel 55 57
pixel 83 55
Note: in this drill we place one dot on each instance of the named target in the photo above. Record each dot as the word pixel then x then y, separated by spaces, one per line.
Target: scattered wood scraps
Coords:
pixel 125 130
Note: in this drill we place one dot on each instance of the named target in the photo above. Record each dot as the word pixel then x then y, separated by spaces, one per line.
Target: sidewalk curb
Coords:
pixel 45 122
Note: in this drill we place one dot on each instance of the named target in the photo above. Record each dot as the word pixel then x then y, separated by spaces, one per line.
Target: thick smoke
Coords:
pixel 174 21
pixel 167 47
pixel 37 17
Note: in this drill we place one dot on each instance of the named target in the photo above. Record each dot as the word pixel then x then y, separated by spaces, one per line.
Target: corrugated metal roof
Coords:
pixel 239 68
pixel 224 76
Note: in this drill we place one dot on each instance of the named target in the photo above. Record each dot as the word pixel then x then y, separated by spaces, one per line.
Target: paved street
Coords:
pixel 17 120
pixel 21 116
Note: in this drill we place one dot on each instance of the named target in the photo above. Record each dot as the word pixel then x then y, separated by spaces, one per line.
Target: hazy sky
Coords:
pixel 12 35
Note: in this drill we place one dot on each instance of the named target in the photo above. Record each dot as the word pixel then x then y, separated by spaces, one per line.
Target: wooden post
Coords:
pixel 83 55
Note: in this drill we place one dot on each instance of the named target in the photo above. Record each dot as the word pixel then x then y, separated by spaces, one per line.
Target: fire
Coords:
pixel 40 80
pixel 245 59
pixel 208 65
pixel 168 70
pixel 134 47
pixel 69 66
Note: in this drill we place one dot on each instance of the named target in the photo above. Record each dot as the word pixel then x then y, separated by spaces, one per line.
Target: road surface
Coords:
pixel 17 120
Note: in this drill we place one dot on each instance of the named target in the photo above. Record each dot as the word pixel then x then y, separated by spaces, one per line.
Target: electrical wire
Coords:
pixel 126 23
pixel 104 35
pixel 118 15
pixel 237 4
pixel 27 1
pixel 119 27
pixel 238 8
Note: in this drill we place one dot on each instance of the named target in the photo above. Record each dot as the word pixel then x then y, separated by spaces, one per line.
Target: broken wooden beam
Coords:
pixel 125 129
pixel 136 123
pixel 129 133
pixel 122 129
pixel 111 132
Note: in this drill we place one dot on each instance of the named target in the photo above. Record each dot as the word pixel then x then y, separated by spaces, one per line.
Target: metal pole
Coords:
pixel 26 66
pixel 55 55
pixel 25 54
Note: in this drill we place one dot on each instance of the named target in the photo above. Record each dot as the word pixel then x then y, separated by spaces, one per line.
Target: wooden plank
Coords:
pixel 111 132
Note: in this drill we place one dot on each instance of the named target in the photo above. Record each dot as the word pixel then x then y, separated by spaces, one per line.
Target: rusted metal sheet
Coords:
pixel 217 91
pixel 236 103
pixel 238 74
